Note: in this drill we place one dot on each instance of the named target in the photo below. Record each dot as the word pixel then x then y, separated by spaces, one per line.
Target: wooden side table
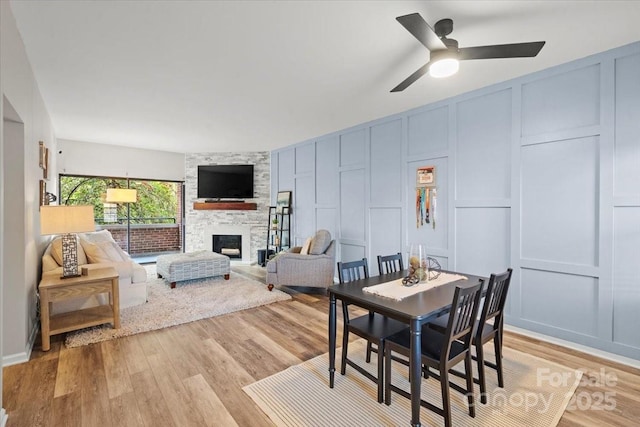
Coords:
pixel 52 289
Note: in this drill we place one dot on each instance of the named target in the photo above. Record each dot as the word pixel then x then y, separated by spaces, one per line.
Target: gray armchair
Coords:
pixel 314 269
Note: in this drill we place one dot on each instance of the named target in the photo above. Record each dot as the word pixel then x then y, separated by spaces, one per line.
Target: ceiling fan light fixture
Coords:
pixel 443 64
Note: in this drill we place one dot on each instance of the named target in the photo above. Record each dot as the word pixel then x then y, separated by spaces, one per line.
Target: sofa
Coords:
pixel 98 250
pixel 311 265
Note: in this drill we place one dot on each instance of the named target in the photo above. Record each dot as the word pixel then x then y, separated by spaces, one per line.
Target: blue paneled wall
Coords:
pixel 540 173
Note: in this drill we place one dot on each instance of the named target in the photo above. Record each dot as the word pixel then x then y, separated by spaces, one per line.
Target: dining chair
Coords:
pixel 373 327
pixel 493 308
pixel 442 351
pixel 390 263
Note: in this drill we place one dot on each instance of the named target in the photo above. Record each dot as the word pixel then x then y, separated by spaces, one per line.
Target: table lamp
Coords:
pixel 123 195
pixel 67 220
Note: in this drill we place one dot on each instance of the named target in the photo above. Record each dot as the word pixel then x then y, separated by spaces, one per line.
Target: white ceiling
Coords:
pixel 188 76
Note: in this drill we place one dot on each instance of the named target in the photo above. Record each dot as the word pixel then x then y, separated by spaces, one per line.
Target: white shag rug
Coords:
pixel 190 301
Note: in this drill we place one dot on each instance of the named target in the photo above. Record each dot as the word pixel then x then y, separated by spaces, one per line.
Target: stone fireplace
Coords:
pixel 250 225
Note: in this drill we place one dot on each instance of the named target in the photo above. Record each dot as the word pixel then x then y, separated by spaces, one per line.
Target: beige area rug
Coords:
pixel 536 394
pixel 189 301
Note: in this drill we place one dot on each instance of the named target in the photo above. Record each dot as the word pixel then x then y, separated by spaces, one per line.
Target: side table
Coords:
pixel 98 281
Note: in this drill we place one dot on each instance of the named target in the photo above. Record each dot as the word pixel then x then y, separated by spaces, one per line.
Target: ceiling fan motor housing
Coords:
pixel 443 27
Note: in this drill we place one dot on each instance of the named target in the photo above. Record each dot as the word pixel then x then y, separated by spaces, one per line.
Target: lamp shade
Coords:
pixel 121 195
pixel 66 219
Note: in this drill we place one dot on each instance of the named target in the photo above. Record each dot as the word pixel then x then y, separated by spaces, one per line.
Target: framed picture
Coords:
pixel 41 153
pixel 426 176
pixel 283 201
pixel 45 168
pixel 43 193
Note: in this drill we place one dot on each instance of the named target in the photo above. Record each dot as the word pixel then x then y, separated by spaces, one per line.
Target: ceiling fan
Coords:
pixel 445 53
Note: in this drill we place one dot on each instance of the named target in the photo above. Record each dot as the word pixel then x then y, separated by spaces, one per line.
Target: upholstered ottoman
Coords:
pixel 193 265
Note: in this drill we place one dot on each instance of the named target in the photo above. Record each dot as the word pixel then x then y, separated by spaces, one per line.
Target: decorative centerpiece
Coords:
pixel 421 267
pixel 418 267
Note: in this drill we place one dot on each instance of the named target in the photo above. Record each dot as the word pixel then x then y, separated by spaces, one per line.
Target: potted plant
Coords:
pixel 274 223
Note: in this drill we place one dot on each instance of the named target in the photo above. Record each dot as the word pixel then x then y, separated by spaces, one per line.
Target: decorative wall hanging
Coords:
pixel 426 176
pixel 43 192
pixel 45 170
pixel 426 196
pixel 41 151
pixel 43 155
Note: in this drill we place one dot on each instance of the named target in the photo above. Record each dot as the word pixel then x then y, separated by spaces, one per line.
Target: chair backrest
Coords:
pixel 390 263
pixel 463 316
pixel 354 270
pixel 495 299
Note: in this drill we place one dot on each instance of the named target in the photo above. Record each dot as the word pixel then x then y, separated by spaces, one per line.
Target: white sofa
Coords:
pixel 98 250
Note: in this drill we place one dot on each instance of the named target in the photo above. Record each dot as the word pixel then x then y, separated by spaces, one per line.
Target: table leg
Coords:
pixel 44 319
pixel 332 338
pixel 115 291
pixel 415 371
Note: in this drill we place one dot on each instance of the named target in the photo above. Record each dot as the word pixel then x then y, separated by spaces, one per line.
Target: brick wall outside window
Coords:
pixel 148 239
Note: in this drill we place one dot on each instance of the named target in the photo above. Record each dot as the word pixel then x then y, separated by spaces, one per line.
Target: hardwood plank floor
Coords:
pixel 193 374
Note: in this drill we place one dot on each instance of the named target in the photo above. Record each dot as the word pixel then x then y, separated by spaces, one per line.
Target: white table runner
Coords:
pixel 397 291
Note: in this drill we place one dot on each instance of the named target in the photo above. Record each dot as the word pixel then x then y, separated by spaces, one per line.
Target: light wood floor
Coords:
pixel 193 374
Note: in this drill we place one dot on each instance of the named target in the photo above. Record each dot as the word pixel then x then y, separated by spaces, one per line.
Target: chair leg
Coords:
pixel 468 367
pixel 369 346
pixel 446 401
pixel 481 377
pixel 380 369
pixel 345 345
pixel 387 375
pixel 497 343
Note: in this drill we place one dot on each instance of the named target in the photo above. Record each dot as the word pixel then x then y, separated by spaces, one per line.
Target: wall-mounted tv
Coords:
pixel 225 182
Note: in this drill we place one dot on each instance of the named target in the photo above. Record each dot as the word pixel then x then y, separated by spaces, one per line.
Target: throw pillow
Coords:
pixel 97 236
pixel 306 246
pixel 101 252
pixel 320 243
pixel 56 250
pixel 48 263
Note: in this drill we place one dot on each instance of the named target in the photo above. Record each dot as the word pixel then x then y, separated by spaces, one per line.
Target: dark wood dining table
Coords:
pixel 415 311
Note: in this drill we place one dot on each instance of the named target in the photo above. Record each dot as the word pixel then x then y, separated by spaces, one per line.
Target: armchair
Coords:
pixel 297 268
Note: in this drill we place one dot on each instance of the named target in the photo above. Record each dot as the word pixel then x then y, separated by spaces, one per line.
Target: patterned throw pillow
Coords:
pixel 320 243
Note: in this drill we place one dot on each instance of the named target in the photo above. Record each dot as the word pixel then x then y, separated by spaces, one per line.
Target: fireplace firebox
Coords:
pixel 228 244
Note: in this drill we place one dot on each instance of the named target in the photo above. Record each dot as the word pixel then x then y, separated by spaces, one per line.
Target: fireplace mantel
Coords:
pixel 225 206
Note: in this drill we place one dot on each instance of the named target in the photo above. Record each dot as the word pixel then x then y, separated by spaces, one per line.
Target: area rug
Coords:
pixel 189 301
pixel 536 394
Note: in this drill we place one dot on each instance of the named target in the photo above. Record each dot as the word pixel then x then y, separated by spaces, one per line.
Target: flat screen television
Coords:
pixel 225 182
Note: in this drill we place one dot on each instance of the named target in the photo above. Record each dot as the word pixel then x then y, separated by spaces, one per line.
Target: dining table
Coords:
pixel 415 310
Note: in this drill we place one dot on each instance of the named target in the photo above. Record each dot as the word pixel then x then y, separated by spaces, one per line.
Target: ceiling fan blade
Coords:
pixel 514 50
pixel 412 78
pixel 419 28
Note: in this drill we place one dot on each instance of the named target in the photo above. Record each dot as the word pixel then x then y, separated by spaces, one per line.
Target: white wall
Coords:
pixel 86 158
pixel 20 89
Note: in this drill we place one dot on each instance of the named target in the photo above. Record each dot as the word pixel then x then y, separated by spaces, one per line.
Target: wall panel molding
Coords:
pixel 541 169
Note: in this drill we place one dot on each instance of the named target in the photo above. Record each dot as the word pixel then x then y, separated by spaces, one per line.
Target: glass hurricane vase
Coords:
pixel 418 266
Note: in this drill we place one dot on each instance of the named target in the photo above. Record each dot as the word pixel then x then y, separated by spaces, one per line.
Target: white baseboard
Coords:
pixel 579 347
pixel 14 359
pixel 3 417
